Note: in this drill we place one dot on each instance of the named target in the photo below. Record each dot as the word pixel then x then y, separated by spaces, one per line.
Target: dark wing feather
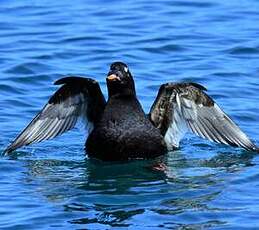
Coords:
pixel 184 107
pixel 77 97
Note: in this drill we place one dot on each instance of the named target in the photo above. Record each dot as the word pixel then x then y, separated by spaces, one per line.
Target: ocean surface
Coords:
pixel 53 185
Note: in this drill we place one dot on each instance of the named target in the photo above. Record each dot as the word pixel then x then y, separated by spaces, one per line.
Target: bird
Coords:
pixel 119 129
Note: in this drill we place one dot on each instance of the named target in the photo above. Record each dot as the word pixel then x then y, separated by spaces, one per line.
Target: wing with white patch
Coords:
pixel 180 108
pixel 77 97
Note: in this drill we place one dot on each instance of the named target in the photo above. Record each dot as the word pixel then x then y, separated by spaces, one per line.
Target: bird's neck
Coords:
pixel 120 96
pixel 123 92
pixel 123 105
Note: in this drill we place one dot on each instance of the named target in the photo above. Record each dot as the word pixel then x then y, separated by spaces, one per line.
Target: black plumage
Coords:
pixel 119 129
pixel 124 132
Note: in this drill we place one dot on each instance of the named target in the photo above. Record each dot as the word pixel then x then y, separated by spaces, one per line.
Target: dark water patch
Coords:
pixel 33 79
pixel 218 96
pixel 197 4
pixel 247 116
pixel 7 26
pixel 7 89
pixel 164 49
pixel 82 39
pixel 40 42
pixel 19 103
pixel 43 57
pixel 18 35
pixel 28 68
pixel 65 55
pixel 41 11
pixel 21 7
pixel 176 12
pixel 145 41
pixel 194 36
pixel 123 35
pixel 247 12
pixel 229 18
pixel 62 23
pixel 230 76
pixel 243 51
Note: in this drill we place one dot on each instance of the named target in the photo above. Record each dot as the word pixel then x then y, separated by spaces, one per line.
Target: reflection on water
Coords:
pixel 123 194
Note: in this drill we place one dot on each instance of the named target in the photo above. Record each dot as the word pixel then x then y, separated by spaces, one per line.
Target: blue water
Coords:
pixel 52 185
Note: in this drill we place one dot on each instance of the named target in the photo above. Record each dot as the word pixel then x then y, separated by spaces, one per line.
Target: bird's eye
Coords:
pixel 126 69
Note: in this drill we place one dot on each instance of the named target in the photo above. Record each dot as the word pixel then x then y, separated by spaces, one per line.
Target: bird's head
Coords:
pixel 119 80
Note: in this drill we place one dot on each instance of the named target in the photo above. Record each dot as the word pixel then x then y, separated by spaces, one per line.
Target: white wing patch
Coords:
pixel 53 120
pixel 78 97
pixel 176 131
pixel 208 122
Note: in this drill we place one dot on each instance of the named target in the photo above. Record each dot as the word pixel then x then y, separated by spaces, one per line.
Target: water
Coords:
pixel 204 185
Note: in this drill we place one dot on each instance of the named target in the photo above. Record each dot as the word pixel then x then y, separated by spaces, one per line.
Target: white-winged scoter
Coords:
pixel 119 129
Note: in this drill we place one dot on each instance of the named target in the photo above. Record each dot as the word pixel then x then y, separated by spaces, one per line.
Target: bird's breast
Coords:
pixel 124 132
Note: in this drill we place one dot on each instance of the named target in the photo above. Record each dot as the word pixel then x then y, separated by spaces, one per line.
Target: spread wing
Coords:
pixel 180 108
pixel 77 97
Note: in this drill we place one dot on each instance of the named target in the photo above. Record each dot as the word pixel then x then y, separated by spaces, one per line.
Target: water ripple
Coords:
pixel 201 186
